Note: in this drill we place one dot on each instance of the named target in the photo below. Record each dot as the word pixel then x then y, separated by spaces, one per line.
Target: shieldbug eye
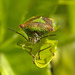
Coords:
pixel 52 29
pixel 21 26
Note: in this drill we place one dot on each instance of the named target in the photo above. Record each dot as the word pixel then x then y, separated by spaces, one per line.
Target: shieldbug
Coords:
pixel 41 49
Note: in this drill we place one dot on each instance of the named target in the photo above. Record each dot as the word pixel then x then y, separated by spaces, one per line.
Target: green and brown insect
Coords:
pixel 37 27
pixel 36 45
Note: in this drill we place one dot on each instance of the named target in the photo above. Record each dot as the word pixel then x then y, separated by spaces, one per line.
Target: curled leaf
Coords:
pixel 46 55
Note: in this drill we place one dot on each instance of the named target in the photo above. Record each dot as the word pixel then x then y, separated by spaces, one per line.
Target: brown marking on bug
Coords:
pixel 35 24
pixel 32 19
pixel 40 25
pixel 48 21
pixel 49 28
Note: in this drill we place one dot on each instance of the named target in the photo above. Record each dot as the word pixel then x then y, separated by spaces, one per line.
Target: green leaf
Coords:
pixel 46 55
pixel 47 49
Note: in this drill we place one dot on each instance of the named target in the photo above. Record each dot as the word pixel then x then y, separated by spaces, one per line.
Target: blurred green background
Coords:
pixel 15 61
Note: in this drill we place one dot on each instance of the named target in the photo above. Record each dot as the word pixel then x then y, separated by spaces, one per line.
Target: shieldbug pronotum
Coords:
pixel 37 45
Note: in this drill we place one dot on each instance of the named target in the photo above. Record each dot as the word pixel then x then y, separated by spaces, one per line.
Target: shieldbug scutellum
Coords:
pixel 41 49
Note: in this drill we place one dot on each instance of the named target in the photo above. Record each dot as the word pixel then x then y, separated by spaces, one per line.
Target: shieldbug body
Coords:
pixel 41 49
pixel 37 27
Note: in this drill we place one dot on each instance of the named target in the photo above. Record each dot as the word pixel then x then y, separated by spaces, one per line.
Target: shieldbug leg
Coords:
pixel 52 52
pixel 30 50
pixel 43 50
pixel 39 54
pixel 48 36
pixel 33 59
pixel 31 54
pixel 18 33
